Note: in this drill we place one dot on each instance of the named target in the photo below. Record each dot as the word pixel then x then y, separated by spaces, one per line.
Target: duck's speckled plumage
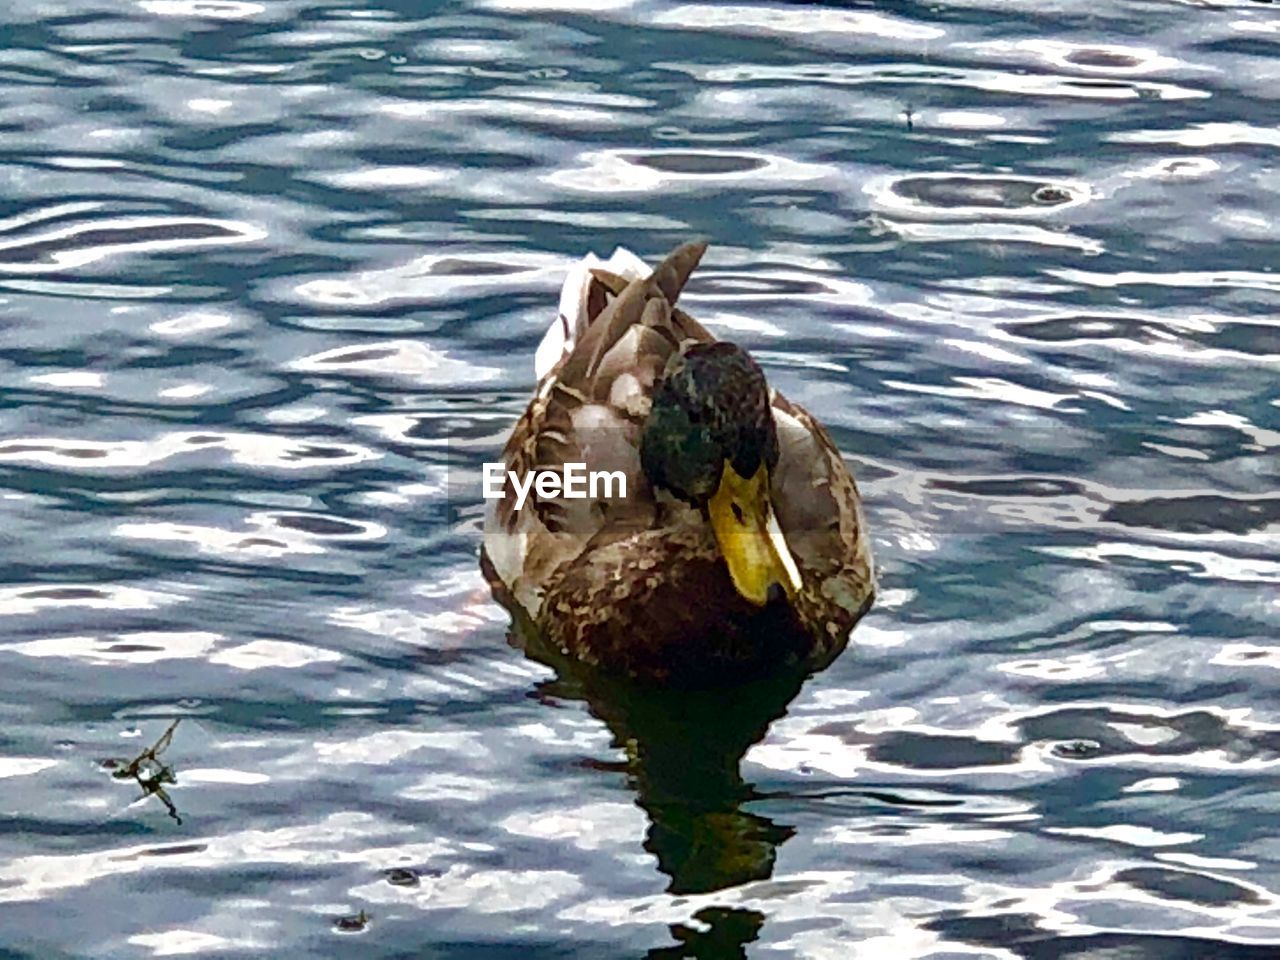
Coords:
pixel 638 585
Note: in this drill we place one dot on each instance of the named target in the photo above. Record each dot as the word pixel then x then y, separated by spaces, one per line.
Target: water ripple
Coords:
pixel 85 243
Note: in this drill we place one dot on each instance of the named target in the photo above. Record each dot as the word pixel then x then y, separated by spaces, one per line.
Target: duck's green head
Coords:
pixel 711 441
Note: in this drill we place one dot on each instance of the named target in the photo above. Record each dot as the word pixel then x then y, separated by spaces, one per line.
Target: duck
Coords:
pixel 729 541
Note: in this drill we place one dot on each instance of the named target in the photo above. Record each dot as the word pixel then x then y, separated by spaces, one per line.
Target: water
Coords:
pixel 272 274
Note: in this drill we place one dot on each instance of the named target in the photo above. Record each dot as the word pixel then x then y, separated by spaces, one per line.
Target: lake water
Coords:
pixel 271 278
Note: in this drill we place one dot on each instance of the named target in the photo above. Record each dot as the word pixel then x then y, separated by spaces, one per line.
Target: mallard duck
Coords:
pixel 739 545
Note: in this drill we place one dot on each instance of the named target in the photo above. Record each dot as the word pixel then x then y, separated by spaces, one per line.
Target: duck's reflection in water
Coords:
pixel 721 933
pixel 683 753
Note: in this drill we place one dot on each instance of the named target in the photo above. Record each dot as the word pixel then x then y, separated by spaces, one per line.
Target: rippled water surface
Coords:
pixel 271 278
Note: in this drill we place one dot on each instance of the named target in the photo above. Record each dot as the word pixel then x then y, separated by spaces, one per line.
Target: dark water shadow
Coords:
pixel 723 935
pixel 683 754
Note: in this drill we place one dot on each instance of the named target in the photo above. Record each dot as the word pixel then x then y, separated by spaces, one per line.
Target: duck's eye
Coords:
pixel 737 512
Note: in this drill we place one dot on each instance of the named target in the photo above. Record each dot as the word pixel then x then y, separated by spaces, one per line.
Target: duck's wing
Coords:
pixel 634 327
pixel 820 511
pixel 580 302
pixel 675 270
pixel 589 409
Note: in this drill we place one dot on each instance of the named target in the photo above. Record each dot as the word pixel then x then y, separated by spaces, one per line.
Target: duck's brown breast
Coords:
pixel 659 605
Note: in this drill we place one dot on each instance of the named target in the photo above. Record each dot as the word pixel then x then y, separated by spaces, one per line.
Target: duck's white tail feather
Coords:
pixel 572 319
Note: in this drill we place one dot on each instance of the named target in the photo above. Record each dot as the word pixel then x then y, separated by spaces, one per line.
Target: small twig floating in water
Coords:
pixel 149 773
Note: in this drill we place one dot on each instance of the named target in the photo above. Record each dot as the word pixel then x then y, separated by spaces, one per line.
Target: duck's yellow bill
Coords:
pixel 749 536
